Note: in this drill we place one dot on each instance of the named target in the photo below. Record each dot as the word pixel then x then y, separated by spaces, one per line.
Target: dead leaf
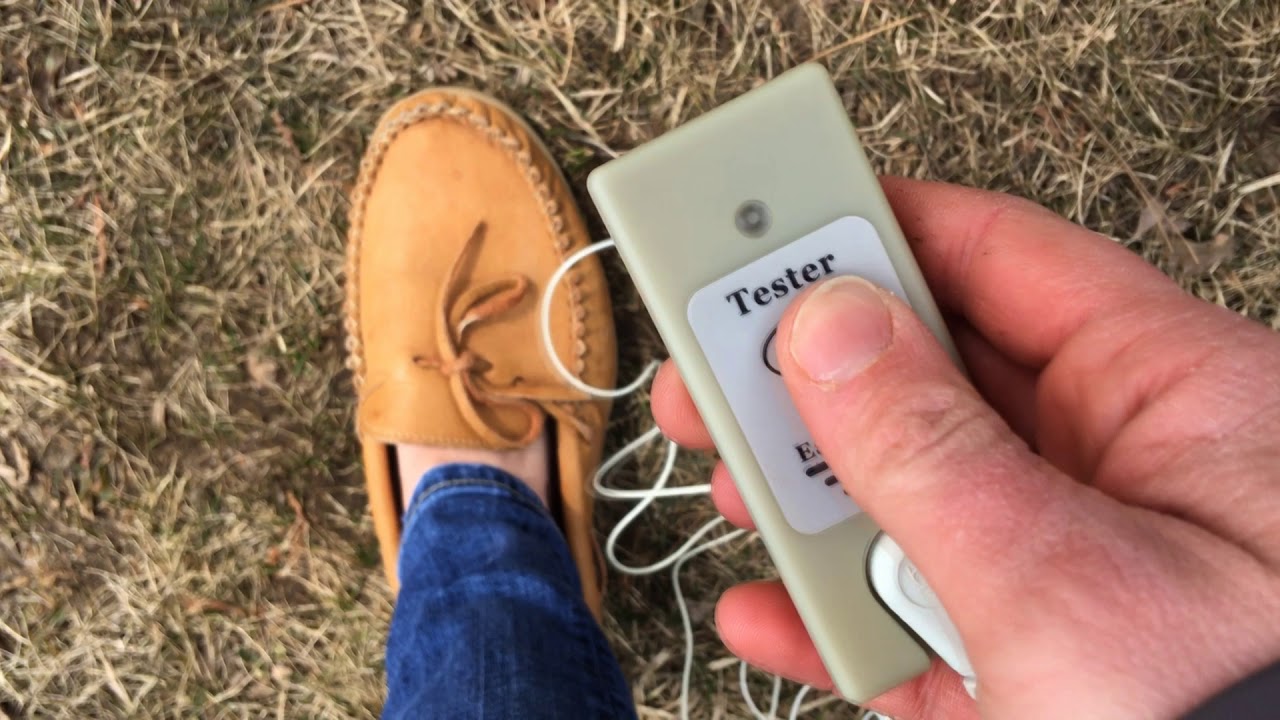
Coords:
pixel 45 72
pixel 295 539
pixel 261 369
pixel 7 143
pixel 60 453
pixel 1198 258
pixel 200 606
pixel 19 461
pixel 296 505
pixel 15 583
pixel 1155 216
pixel 86 453
pixel 159 411
pixel 46 578
pixel 1249 206
pixel 285 132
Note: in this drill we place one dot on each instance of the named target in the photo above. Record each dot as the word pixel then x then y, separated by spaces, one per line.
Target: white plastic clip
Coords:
pixel 903 590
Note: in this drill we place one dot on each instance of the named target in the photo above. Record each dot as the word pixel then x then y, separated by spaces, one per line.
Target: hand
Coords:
pixel 1100 516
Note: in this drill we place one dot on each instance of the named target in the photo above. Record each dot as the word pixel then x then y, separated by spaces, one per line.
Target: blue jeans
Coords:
pixel 490 621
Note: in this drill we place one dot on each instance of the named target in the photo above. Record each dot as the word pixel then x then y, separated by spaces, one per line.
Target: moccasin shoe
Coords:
pixel 458 219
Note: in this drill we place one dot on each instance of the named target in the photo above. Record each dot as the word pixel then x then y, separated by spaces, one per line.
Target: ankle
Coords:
pixel 529 464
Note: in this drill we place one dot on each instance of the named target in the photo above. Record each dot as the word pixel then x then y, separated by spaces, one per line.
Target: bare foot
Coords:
pixel 528 463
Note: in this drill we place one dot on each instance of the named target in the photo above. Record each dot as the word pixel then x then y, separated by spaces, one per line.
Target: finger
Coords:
pixel 724 493
pixel 937 693
pixel 1007 386
pixel 914 445
pixel 1024 277
pixel 758 623
pixel 675 412
pixel 1029 281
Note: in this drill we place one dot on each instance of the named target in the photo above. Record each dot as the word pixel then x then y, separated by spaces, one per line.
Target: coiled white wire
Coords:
pixel 692 547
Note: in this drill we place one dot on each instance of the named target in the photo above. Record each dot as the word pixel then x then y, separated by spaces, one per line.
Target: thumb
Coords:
pixel 916 446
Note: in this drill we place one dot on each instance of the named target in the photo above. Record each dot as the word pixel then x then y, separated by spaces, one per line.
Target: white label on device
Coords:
pixel 735 320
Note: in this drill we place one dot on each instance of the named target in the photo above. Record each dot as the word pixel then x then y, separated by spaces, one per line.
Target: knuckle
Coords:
pixel 926 427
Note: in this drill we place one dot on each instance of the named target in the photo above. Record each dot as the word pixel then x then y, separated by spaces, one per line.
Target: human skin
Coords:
pixel 1097 504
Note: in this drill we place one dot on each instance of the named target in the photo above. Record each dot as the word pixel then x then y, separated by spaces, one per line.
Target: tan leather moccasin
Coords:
pixel 459 218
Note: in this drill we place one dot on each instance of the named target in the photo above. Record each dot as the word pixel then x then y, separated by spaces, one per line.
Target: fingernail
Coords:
pixel 842 327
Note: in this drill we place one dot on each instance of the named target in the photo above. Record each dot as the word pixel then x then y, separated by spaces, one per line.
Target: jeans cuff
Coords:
pixel 443 478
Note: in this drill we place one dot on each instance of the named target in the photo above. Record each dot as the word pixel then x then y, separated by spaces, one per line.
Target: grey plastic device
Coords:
pixel 708 198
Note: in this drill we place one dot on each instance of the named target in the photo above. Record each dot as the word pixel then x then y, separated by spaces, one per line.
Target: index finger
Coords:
pixel 1024 277
pixel 674 411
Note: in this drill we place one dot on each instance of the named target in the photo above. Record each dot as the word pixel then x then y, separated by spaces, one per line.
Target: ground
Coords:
pixel 184 530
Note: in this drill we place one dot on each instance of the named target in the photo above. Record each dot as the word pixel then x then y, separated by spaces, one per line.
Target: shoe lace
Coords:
pixel 692 547
pixel 461 309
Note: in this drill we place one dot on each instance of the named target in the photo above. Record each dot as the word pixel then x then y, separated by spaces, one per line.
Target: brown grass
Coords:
pixel 185 531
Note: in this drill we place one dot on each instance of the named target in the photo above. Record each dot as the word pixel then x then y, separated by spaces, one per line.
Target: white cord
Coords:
pixel 795 704
pixel 692 547
pixel 751 703
pixel 544 318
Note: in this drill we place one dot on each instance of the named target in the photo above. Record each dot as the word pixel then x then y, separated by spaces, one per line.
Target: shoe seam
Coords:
pixel 370 165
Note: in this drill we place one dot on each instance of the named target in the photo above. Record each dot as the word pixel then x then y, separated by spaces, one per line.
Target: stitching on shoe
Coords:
pixel 372 162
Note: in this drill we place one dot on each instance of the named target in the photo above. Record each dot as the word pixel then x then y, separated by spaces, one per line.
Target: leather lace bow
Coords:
pixel 459 310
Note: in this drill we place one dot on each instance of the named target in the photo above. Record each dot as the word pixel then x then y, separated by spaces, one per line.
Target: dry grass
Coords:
pixel 184 526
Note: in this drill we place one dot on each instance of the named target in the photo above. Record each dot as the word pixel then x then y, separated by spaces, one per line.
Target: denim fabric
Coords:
pixel 490 622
